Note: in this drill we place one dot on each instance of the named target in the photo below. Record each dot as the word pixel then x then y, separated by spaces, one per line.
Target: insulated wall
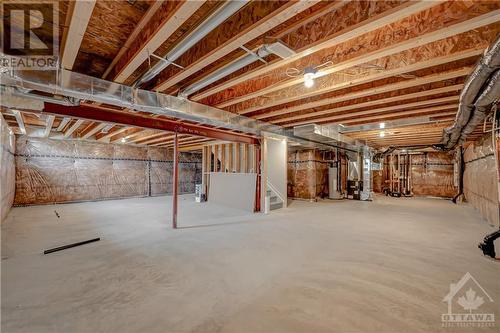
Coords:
pixel 7 169
pixel 432 174
pixel 480 179
pixel 49 171
pixel 377 181
pixel 308 173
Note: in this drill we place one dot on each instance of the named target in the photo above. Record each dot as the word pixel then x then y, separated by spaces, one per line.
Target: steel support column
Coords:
pixel 175 182
pixel 259 177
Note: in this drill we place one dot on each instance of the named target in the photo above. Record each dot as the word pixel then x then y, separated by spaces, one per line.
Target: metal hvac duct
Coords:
pixel 328 135
pixel 483 105
pixel 219 16
pixel 366 165
pixel 18 88
pixel 276 48
pixel 480 91
pixel 73 87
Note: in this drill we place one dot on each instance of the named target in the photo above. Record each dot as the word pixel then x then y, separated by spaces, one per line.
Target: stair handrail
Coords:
pixel 278 194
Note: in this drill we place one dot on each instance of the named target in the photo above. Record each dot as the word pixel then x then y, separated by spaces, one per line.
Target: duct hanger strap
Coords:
pixel 255 54
pixel 169 62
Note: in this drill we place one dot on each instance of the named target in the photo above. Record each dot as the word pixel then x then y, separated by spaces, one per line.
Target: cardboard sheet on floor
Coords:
pixel 236 190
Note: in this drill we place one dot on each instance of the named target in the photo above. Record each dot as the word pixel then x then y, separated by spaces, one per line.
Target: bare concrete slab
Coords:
pixel 348 266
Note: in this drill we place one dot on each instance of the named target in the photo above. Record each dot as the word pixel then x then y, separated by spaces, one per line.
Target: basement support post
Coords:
pixel 175 182
pixel 258 170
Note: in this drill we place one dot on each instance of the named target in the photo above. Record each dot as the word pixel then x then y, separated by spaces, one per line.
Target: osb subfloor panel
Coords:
pixel 349 266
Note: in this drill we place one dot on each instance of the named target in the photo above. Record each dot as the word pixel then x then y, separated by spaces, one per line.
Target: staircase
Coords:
pixel 276 200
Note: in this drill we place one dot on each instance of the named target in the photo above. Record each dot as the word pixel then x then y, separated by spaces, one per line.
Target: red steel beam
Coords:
pixel 99 113
pixel 175 182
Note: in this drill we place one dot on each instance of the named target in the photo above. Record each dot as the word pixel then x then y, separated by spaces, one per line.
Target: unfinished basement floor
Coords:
pixel 348 266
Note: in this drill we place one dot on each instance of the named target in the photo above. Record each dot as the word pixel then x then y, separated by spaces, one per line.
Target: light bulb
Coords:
pixel 123 140
pixel 309 83
pixel 382 125
pixel 309 73
pixel 382 134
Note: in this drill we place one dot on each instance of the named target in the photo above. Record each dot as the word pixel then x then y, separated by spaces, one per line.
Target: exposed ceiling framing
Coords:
pixel 79 17
pixel 377 61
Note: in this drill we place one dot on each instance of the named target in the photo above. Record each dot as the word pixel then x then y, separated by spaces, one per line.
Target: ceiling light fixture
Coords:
pixel 382 125
pixel 123 140
pixel 309 74
pixel 382 134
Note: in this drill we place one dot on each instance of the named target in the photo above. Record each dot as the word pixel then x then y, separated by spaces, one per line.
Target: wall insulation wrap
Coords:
pixel 49 171
pixel 302 174
pixel 7 169
pixel 377 181
pixel 322 166
pixel 308 173
pixel 432 174
pixel 480 179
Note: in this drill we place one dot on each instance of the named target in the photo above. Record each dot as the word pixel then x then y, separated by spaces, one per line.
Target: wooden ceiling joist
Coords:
pixel 363 79
pixel 443 76
pixel 364 58
pixel 127 135
pixel 92 130
pixel 147 136
pixel 436 112
pixel 400 134
pixel 424 134
pixel 420 48
pixel 354 107
pixel 80 13
pixel 397 134
pixel 367 115
pixel 20 121
pixel 161 25
pixel 48 127
pixel 104 137
pixel 182 139
pixel 189 143
pixel 73 128
pixel 246 30
pixel 63 124
pixel 371 23
pixel 414 128
pixel 289 114
pixel 377 61
pixel 162 138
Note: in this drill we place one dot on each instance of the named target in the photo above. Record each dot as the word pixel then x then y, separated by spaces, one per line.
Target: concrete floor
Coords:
pixel 348 266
